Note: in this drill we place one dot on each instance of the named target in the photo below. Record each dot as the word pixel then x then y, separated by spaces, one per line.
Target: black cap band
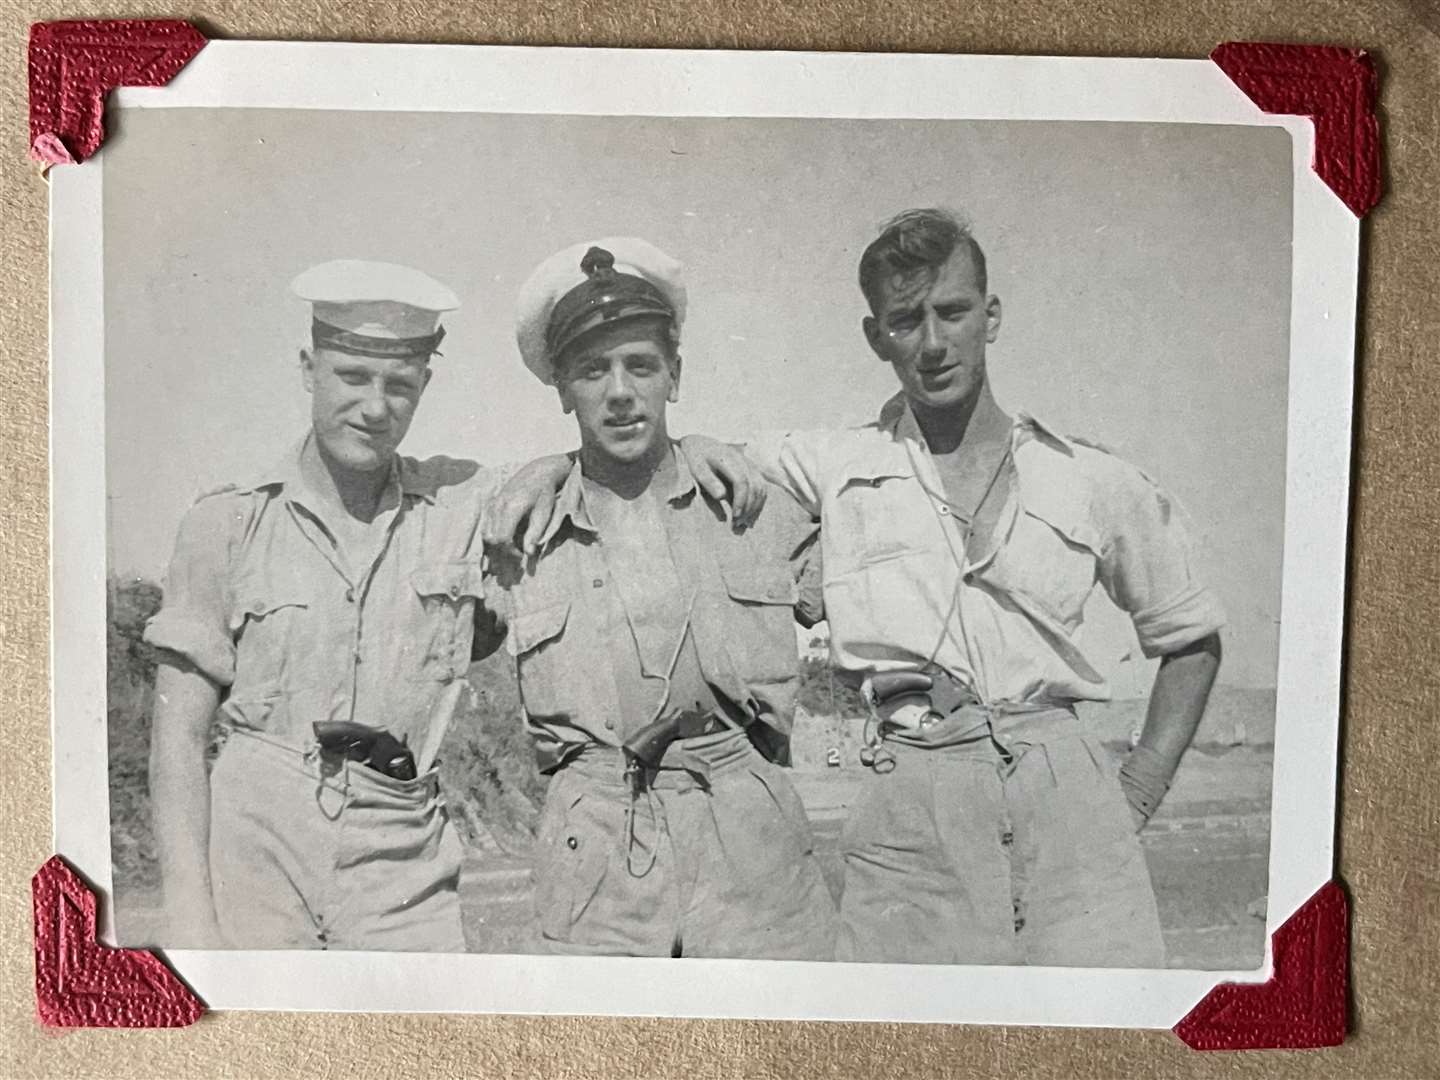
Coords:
pixel 605 296
pixel 417 348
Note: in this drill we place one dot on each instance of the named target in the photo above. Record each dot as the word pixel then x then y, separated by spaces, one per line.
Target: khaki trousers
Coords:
pixel 1014 845
pixel 305 857
pixel 687 868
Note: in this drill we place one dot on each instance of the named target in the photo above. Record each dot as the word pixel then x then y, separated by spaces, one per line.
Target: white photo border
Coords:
pixel 733 84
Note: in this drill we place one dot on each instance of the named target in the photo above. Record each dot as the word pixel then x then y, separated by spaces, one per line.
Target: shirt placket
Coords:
pixel 630 635
pixel 602 692
pixel 356 590
pixel 358 594
pixel 929 481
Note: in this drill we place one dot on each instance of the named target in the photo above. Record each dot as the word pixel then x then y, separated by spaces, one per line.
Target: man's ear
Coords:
pixel 307 370
pixel 871 326
pixel 992 318
pixel 675 365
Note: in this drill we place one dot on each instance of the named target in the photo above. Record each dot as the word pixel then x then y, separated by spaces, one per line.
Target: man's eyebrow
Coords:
pixel 910 308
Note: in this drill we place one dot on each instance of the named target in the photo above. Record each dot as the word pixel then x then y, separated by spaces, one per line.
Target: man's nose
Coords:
pixel 618 387
pixel 372 405
pixel 932 343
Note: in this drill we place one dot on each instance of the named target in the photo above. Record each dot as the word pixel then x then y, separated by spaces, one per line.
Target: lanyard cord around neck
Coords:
pixel 631 838
pixel 674 655
pixel 957 556
pixel 937 499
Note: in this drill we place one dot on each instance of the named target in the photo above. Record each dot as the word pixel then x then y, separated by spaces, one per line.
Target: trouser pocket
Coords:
pixel 573 847
pixel 786 800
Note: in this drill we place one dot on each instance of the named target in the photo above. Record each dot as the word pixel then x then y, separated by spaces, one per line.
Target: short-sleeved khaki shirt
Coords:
pixel 260 599
pixel 593 630
pixel 904 584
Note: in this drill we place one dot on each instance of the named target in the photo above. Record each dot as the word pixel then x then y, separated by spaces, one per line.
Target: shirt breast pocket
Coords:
pixel 273 633
pixel 448 594
pixel 761 619
pixel 872 518
pixel 533 639
pixel 1051 559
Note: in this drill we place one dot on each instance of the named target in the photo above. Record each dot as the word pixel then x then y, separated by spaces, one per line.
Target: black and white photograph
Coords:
pixel 865 539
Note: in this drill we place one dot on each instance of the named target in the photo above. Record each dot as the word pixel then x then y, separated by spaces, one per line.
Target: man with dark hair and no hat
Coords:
pixel 961 544
pixel 656 652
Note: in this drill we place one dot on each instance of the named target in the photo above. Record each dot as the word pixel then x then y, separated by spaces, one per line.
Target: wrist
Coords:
pixel 1145 777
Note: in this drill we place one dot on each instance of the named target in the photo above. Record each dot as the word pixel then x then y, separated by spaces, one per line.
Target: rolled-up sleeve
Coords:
pixel 193 621
pixel 791 460
pixel 800 540
pixel 1147 567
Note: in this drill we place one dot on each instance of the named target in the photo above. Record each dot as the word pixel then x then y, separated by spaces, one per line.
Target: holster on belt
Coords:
pixel 373 747
pixel 645 749
pixel 912 699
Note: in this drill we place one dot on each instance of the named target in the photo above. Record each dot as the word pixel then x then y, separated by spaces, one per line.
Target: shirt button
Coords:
pixel 599 583
pixel 610 724
pixel 454 591
pixel 944 509
pixel 349 596
pixel 572 843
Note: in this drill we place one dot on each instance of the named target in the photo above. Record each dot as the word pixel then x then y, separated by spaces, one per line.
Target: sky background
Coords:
pixel 1144 271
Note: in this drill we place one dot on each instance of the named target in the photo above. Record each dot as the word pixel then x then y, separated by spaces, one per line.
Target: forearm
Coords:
pixel 180 793
pixel 1177 702
pixel 180 796
pixel 1178 698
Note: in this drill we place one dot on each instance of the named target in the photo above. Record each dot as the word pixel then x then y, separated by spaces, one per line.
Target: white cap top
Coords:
pixel 375 299
pixel 560 273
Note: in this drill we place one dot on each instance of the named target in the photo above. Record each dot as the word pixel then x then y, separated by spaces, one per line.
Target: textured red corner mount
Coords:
pixel 1304 1003
pixel 1336 89
pixel 73 65
pixel 82 983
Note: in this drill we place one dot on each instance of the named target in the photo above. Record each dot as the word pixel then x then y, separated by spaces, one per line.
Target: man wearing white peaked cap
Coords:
pixel 655 650
pixel 561 273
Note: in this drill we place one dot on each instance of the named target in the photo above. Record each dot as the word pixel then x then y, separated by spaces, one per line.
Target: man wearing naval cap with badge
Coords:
pixel 326 607
pixel 655 649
